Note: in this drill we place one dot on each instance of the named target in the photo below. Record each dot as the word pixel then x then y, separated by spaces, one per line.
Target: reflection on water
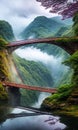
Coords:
pixel 31 121
pixel 25 119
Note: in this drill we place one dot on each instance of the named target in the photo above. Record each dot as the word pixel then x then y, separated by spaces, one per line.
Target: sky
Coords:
pixel 19 13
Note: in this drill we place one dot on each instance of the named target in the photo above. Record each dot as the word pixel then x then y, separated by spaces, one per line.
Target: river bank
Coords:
pixel 24 118
pixel 61 108
pixel 67 111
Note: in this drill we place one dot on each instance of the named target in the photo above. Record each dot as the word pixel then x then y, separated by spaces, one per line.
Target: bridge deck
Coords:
pixel 30 41
pixel 70 45
pixel 42 89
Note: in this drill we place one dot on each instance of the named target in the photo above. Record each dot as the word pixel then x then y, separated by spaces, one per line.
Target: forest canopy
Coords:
pixel 6 31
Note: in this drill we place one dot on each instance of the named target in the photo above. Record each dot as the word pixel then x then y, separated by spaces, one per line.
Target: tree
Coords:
pixel 75 25
pixel 67 8
pixel 3 43
pixel 6 31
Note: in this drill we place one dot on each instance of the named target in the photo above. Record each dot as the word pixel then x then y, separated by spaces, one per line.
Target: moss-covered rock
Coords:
pixel 4 68
pixel 4 65
pixel 67 95
pixel 3 93
pixel 3 44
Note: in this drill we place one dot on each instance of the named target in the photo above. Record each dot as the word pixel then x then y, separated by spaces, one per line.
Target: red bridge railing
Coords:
pixel 42 89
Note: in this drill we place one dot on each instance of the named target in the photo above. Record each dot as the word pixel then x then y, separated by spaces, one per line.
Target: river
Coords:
pixel 20 118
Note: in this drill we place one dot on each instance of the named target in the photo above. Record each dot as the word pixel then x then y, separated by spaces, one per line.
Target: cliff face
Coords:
pixel 4 65
pixel 4 73
pixel 8 72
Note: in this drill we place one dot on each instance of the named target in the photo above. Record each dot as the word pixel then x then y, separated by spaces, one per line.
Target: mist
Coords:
pixel 53 64
pixel 41 97
pixel 20 13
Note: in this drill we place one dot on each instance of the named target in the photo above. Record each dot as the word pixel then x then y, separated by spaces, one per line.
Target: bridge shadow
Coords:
pixel 14 96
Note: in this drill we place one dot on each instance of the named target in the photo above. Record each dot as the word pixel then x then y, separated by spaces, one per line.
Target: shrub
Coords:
pixel 3 44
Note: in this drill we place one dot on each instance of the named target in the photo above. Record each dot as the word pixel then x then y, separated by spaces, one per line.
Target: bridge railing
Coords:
pixel 35 88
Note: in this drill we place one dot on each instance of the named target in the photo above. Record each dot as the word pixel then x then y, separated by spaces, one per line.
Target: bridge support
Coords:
pixel 14 96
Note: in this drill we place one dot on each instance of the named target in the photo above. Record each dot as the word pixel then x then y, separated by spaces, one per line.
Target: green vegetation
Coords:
pixel 6 34
pixel 75 25
pixel 47 27
pixel 67 95
pixel 4 68
pixel 61 31
pixel 4 73
pixel 68 33
pixel 66 98
pixel 68 40
pixel 33 74
pixel 73 63
pixel 41 27
pixel 36 74
pixel 3 94
pixel 6 31
pixel 3 44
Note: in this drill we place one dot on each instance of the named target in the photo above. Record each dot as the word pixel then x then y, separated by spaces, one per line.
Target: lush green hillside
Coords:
pixel 42 27
pixel 66 99
pixel 6 34
pixel 47 27
pixel 38 29
pixel 6 31
pixel 75 25
pixel 4 69
pixel 32 73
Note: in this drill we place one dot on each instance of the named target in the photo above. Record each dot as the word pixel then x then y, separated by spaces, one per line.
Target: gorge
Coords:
pixel 36 65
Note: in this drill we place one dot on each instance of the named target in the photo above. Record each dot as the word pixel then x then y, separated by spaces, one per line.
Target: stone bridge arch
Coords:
pixel 70 45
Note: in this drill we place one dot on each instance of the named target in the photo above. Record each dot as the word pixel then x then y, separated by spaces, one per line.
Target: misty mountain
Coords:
pixel 61 31
pixel 33 74
pixel 43 27
pixel 47 27
pixel 67 30
pixel 30 72
pixel 67 22
pixel 6 31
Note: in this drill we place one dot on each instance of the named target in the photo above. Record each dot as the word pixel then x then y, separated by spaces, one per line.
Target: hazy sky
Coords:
pixel 19 13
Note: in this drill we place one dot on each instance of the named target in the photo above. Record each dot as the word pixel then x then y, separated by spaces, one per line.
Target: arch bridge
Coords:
pixel 70 45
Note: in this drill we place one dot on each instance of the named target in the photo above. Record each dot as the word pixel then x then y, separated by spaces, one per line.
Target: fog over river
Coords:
pixel 52 63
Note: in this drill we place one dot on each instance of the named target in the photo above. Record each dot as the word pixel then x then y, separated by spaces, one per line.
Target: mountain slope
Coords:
pixel 6 31
pixel 33 74
pixel 51 27
pixel 47 27
pixel 42 27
